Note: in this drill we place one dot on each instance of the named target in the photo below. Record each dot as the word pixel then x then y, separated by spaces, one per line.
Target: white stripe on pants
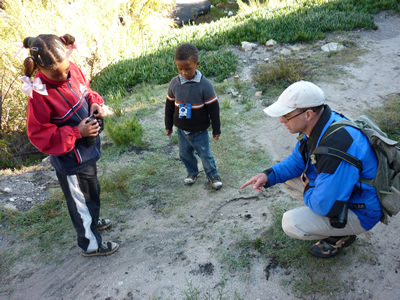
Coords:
pixel 83 211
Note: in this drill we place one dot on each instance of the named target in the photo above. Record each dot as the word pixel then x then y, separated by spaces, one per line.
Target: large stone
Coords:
pixel 332 47
pixel 187 11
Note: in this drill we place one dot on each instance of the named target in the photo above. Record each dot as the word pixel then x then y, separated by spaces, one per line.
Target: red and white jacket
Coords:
pixel 52 125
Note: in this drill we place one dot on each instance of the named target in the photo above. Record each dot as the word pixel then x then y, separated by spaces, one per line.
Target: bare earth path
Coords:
pixel 161 258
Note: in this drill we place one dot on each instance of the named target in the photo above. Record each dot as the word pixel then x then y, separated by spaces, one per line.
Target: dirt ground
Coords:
pixel 162 258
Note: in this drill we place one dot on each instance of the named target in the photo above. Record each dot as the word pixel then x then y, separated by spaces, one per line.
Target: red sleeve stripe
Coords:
pixel 211 100
pixel 170 98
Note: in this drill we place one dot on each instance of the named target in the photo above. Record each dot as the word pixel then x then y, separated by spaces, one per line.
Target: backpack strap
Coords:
pixel 335 152
pixel 339 154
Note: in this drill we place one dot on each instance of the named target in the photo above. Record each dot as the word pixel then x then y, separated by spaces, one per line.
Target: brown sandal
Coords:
pixel 331 246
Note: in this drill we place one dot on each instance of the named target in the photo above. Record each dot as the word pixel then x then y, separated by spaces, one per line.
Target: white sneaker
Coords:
pixel 106 248
pixel 103 224
pixel 189 180
pixel 216 183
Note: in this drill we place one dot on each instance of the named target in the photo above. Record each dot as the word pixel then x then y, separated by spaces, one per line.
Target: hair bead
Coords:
pixel 29 41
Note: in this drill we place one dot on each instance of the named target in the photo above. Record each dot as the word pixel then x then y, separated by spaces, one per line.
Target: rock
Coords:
pixel 29 199
pixel 10 206
pixel 258 94
pixel 285 52
pixel 230 14
pixel 270 43
pixel 7 190
pixel 332 47
pixel 246 46
pixel 12 199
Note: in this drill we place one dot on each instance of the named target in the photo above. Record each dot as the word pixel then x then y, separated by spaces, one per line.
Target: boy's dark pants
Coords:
pixel 82 193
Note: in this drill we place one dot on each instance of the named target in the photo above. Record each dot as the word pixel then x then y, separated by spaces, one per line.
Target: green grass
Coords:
pixel 306 21
pixel 306 275
pixel 388 116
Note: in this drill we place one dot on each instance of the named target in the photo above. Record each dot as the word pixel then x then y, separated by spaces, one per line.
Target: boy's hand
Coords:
pixel 168 132
pixel 216 137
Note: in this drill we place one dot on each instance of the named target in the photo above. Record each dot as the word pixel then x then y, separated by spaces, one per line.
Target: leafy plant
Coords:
pixel 282 72
pixel 226 104
pixel 125 133
pixel 388 116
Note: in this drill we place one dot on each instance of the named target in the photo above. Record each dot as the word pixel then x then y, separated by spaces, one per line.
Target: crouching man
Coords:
pixel 338 206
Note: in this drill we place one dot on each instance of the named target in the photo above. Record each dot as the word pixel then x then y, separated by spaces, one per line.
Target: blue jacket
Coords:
pixel 332 180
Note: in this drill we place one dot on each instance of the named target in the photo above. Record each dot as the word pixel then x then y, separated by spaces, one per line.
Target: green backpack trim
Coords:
pixel 387 179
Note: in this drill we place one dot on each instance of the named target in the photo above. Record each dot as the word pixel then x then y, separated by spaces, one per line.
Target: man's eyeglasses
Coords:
pixel 289 118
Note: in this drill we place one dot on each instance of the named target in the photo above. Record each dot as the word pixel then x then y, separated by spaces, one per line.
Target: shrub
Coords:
pixel 126 133
pixel 282 72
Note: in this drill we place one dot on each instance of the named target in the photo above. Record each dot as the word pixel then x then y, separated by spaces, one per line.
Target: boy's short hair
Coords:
pixel 187 52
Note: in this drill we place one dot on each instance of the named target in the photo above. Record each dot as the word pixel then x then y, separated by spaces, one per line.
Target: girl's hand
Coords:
pixel 96 110
pixel 89 129
pixel 168 132
pixel 216 137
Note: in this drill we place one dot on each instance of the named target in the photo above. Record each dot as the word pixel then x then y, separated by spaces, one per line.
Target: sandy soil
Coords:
pixel 160 258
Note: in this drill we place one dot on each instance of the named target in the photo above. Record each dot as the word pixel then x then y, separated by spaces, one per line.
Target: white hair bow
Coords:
pixel 21 49
pixel 35 85
pixel 71 48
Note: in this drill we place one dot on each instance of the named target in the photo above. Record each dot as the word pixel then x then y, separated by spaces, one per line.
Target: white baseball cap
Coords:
pixel 301 94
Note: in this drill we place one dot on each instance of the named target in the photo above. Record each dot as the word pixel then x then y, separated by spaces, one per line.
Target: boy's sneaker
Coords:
pixel 106 248
pixel 216 183
pixel 189 180
pixel 103 224
pixel 331 246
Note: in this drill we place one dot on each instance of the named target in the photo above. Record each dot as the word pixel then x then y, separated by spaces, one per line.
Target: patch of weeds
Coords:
pixel 125 132
pixel 218 64
pixel 387 116
pixel 114 101
pixel 238 84
pixel 323 64
pixel 115 185
pixel 311 276
pixel 237 258
pixel 226 104
pixel 47 226
pixel 221 87
pixel 195 293
pixel 232 158
pixel 282 72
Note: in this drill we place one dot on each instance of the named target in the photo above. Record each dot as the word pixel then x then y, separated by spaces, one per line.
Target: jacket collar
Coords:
pixel 196 78
pixel 319 127
pixel 52 82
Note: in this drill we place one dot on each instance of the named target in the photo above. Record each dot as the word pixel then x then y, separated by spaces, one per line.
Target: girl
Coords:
pixel 59 106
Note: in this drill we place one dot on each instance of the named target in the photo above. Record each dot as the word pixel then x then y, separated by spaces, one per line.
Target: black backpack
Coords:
pixel 387 179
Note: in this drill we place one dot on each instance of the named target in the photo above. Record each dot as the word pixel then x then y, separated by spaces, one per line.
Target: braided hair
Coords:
pixel 46 50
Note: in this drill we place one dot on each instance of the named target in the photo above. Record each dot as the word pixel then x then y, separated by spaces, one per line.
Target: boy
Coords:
pixel 191 106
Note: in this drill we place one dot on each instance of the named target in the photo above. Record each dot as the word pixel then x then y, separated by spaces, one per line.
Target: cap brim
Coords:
pixel 278 110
